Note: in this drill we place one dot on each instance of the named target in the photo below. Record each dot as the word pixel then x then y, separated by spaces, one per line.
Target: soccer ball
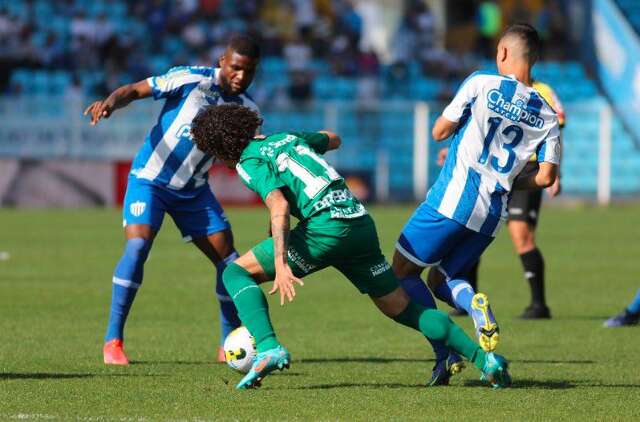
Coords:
pixel 240 349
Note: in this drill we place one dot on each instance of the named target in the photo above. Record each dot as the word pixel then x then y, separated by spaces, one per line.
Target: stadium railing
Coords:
pixel 387 144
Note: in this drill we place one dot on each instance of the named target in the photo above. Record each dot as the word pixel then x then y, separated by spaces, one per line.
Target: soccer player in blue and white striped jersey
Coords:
pixel 169 175
pixel 497 122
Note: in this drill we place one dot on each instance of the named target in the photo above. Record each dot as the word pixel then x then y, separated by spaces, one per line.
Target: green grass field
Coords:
pixel 349 362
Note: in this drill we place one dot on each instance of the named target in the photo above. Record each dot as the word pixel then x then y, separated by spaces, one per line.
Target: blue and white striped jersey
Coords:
pixel 502 123
pixel 168 156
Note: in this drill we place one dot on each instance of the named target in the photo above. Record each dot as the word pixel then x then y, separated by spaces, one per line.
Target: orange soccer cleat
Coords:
pixel 113 352
pixel 221 355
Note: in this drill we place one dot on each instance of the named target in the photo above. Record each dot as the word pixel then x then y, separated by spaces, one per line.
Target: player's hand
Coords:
pixel 442 156
pixel 555 189
pixel 284 282
pixel 99 110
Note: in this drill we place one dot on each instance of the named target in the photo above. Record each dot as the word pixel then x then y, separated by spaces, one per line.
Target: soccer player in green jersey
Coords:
pixel 289 174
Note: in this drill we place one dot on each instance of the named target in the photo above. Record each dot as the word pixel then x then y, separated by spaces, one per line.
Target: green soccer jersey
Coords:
pixel 291 162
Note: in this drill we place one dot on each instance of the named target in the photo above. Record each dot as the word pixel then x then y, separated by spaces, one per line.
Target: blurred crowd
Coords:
pixel 104 43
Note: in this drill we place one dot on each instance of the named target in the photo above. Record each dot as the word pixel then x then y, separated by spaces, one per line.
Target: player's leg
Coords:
pixel 241 279
pixel 630 315
pixel 455 267
pixel 413 254
pixel 201 220
pixel 218 247
pixel 472 277
pixel 143 211
pixel 524 209
pixel 408 275
pixel 394 302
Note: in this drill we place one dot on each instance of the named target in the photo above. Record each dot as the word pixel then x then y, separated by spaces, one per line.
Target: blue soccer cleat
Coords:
pixel 486 325
pixel 625 318
pixel 455 363
pixel 495 371
pixel 444 369
pixel 263 364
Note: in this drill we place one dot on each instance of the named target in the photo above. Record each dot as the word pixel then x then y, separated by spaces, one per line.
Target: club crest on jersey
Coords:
pixel 137 208
pixel 516 111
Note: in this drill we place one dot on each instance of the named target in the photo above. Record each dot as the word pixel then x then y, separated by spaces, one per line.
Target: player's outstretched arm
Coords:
pixel 543 178
pixel 280 226
pixel 442 129
pixel 334 140
pixel 119 98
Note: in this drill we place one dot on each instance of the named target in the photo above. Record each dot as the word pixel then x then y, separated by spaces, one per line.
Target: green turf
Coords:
pixel 350 363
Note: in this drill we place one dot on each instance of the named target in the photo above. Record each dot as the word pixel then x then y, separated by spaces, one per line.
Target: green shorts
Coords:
pixel 351 246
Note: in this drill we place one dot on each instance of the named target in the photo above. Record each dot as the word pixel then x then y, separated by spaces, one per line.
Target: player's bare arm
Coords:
pixel 442 129
pixel 119 98
pixel 543 178
pixel 280 226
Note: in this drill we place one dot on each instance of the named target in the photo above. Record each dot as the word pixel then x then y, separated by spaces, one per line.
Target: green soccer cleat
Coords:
pixel 263 364
pixel 485 322
pixel 495 371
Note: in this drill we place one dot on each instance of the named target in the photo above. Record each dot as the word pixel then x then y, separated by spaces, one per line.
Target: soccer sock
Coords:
pixel 533 265
pixel 472 276
pixel 443 292
pixel 127 278
pixel 437 326
pixel 420 293
pixel 634 308
pixel 252 306
pixel 229 320
pixel 462 293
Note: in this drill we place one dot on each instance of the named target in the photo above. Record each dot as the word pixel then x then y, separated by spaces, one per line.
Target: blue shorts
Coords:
pixel 196 213
pixel 429 238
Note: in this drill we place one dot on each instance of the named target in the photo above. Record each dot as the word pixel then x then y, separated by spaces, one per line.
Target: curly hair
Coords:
pixel 225 130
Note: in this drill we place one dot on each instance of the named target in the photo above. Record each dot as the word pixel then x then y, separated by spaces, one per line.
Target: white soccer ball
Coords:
pixel 240 349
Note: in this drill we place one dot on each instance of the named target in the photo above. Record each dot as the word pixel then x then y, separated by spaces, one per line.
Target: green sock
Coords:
pixel 253 309
pixel 435 325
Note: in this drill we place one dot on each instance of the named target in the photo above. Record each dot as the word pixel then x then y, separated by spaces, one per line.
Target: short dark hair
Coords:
pixel 529 37
pixel 225 130
pixel 244 45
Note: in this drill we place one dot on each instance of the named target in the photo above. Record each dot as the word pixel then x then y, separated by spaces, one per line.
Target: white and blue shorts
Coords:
pixel 197 213
pixel 431 239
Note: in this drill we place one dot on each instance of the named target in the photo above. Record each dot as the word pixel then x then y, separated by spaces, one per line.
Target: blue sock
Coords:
pixel 127 278
pixel 229 320
pixel 443 292
pixel 419 293
pixel 462 293
pixel 634 308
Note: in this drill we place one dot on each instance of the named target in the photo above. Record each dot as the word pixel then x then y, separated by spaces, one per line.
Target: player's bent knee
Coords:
pixel 402 267
pixel 435 278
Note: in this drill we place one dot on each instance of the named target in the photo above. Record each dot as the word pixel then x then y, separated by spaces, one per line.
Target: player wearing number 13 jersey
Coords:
pixel 497 122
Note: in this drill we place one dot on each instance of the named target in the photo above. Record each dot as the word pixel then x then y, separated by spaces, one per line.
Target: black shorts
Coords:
pixel 525 206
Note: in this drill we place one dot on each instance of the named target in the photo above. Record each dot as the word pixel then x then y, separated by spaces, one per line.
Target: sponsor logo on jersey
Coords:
pixel 380 268
pixel 516 111
pixel 297 259
pixel 269 149
pixel 137 208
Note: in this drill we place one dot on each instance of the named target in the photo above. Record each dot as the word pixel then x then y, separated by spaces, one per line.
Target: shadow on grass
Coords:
pixel 364 359
pixel 355 385
pixel 172 362
pixel 568 361
pixel 53 375
pixel 528 383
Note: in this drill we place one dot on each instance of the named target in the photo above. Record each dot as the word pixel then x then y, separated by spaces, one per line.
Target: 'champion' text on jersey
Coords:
pixel 501 123
pixel 168 157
